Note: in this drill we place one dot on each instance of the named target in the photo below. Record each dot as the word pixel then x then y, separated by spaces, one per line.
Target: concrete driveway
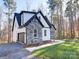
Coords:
pixel 13 51
pixel 17 51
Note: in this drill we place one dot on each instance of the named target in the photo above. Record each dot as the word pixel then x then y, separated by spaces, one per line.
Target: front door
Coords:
pixel 21 37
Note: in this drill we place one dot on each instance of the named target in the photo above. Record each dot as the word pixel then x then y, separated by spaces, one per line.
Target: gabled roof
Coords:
pixel 18 17
pixel 28 12
pixel 31 20
pixel 46 19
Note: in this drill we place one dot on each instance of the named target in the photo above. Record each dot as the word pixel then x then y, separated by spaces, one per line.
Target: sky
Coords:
pixel 30 4
pixel 35 5
pixel 21 5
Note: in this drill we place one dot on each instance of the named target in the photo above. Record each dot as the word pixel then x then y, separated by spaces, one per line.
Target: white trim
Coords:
pixel 45 32
pixel 47 37
pixel 25 37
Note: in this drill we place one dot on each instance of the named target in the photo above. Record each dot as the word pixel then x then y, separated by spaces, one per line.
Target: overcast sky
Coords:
pixel 31 5
pixel 35 5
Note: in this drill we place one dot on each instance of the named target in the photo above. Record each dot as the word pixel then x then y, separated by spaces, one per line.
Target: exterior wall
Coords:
pixel 25 17
pixel 30 29
pixel 16 31
pixel 52 33
pixel 47 37
pixel 42 20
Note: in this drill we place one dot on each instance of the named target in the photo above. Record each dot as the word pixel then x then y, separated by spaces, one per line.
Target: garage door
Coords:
pixel 21 37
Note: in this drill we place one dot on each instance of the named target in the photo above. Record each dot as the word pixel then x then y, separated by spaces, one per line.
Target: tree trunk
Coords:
pixel 71 21
pixel 9 27
pixel 59 26
pixel 78 27
pixel 61 21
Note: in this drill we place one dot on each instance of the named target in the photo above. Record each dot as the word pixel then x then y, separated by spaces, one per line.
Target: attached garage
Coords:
pixel 21 37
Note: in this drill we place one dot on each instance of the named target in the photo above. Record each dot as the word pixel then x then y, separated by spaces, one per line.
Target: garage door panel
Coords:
pixel 21 37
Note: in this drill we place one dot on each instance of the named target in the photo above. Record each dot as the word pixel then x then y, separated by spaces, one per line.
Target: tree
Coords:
pixel 10 5
pixel 0 20
pixel 52 5
pixel 78 27
pixel 69 13
pixel 57 5
pixel 76 10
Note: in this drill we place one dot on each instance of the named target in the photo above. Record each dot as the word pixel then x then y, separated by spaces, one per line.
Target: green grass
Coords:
pixel 67 50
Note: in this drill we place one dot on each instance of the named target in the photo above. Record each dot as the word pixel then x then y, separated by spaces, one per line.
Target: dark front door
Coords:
pixel 21 37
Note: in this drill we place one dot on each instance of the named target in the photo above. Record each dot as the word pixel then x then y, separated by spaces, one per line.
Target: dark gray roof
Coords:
pixel 31 20
pixel 28 12
pixel 46 19
pixel 18 16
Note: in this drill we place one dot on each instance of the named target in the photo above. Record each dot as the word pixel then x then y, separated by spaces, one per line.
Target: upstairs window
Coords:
pixel 45 33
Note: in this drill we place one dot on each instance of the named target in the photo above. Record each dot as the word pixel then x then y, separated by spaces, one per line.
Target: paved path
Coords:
pixel 31 49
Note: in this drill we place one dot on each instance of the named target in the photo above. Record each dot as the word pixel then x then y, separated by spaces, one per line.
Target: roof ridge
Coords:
pixel 33 12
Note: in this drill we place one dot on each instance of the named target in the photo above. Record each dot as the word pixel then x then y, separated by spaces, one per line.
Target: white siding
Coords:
pixel 47 37
pixel 42 20
pixel 17 30
pixel 21 30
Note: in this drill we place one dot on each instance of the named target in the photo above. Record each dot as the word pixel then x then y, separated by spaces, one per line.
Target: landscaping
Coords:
pixel 66 50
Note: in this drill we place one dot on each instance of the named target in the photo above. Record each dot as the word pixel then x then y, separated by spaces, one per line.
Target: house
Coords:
pixel 31 27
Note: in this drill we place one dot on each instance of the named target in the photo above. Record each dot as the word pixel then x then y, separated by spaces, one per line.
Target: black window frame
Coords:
pixel 35 33
pixel 45 32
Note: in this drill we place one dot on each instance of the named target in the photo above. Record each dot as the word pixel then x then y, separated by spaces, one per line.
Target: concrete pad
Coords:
pixel 54 42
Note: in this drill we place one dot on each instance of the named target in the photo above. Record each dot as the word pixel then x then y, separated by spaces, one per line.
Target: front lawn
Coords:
pixel 67 50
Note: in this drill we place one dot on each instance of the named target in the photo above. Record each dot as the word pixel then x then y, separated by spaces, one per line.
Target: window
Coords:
pixel 45 32
pixel 35 33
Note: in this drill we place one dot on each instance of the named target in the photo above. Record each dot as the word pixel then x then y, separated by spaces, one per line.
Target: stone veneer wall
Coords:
pixel 30 29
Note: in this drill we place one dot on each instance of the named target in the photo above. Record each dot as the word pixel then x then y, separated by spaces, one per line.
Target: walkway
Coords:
pixel 31 49
pixel 54 42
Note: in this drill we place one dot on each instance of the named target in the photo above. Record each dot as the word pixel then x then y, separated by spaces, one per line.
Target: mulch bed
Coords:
pixel 42 43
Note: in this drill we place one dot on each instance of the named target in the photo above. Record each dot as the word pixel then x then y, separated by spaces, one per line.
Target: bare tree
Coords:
pixel 0 20
pixel 69 12
pixel 10 5
pixel 57 5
